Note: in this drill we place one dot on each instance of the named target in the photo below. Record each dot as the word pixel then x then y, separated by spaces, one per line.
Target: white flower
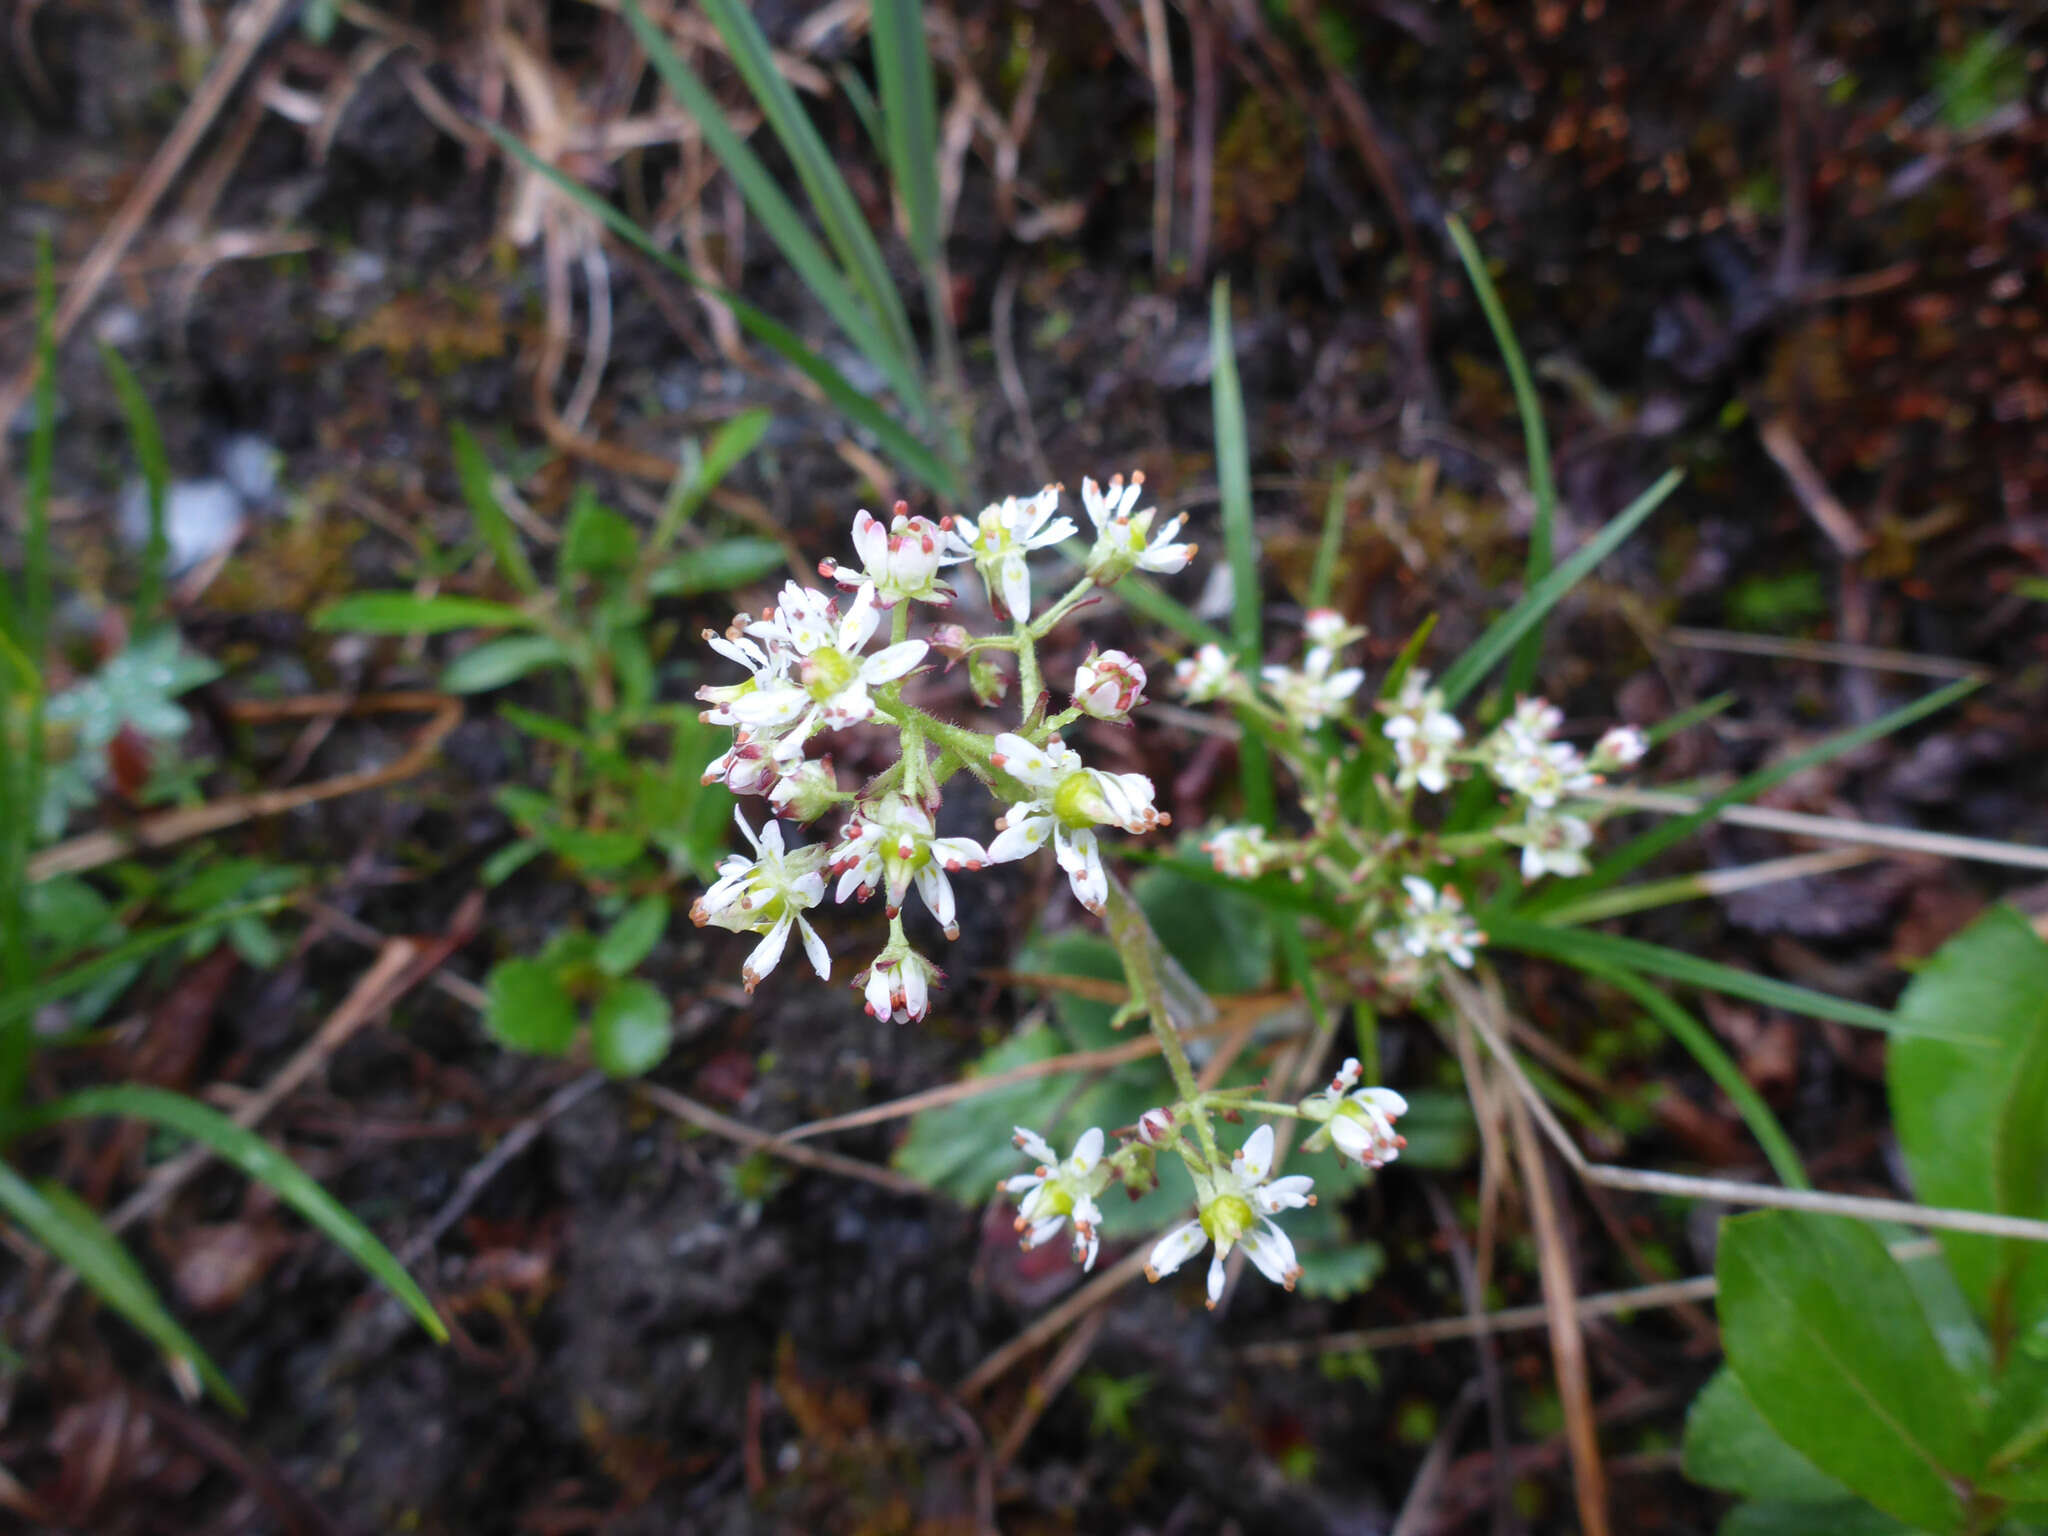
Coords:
pixel 1124 540
pixel 1399 971
pixel 1068 803
pixel 999 540
pixel 807 791
pixel 1205 676
pixel 765 657
pixel 898 986
pixel 1553 843
pixel 1542 772
pixel 1437 923
pixel 1360 1121
pixel 1108 686
pixel 1534 719
pixel 1241 851
pixel 829 689
pixel 1061 1192
pixel 900 559
pixel 1622 746
pixel 890 844
pixel 745 768
pixel 768 895
pixel 1327 629
pixel 1423 733
pixel 1310 695
pixel 1229 1207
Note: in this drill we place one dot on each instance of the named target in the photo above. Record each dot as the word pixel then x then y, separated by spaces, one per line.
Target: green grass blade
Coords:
pixel 1535 442
pixel 832 201
pixel 856 405
pixel 827 281
pixel 1718 1065
pixel 1500 636
pixel 1575 946
pixel 473 470
pixel 22 1002
pixel 148 441
pixel 260 1161
pixel 1240 540
pixel 910 117
pixel 1635 853
pixel 65 1225
pixel 1323 576
pixel 42 461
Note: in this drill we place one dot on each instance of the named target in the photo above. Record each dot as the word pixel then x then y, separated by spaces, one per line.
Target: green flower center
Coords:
pixel 1226 1219
pixel 827 672
pixel 1077 803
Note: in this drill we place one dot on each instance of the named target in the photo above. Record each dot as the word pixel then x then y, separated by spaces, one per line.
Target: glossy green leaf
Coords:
pixel 1728 1445
pixel 504 660
pixel 528 1009
pixel 405 613
pixel 473 470
pixel 630 1029
pixel 1464 674
pixel 632 938
pixel 2017 1429
pixel 717 567
pixel 1828 1340
pixel 1953 1102
pixel 70 1229
pixel 260 1161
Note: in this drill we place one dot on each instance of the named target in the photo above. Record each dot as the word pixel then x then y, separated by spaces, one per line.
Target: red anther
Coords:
pixel 901 509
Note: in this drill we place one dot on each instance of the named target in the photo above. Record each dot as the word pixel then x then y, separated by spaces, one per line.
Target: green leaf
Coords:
pixel 148 441
pixel 528 1009
pixel 1465 673
pixel 1577 946
pixel 597 538
pixel 1851 1518
pixel 1535 444
pixel 474 471
pixel 1828 1340
pixel 260 1161
pixel 964 1149
pixel 1728 1445
pixel 910 116
pixel 1221 937
pixel 1323 574
pixel 633 937
pixel 69 1228
pixel 404 613
pixel 25 1002
pixel 630 1030
pixel 717 567
pixel 2017 1429
pixel 508 861
pixel 1957 1106
pixel 498 662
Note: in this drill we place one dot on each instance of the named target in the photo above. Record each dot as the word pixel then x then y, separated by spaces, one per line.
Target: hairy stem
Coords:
pixel 1137 946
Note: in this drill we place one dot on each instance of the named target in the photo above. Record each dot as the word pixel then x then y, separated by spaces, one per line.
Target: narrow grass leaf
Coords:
pixel 1535 443
pixel 1323 575
pixel 65 1225
pixel 1577 947
pixel 260 1161
pixel 1234 478
pixel 910 117
pixel 856 405
pixel 147 439
pixel 1500 636
pixel 407 613
pixel 474 472
pixel 1638 851
pixel 23 1002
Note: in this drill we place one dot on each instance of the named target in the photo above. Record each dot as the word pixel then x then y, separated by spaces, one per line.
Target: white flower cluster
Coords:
pixel 810 669
pixel 1543 773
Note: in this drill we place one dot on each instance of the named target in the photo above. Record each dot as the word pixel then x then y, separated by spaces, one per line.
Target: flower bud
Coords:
pixel 1621 747
pixel 952 641
pixel 987 678
pixel 898 987
pixel 1109 686
pixel 1205 676
pixel 1155 1127
pixel 807 792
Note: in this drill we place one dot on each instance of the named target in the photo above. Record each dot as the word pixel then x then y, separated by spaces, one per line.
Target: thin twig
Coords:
pixel 1047 1385
pixel 708 1119
pixel 1833 518
pixel 1053 1323
pixel 1166 116
pixel 1415 1509
pixel 1876 657
pixel 1002 326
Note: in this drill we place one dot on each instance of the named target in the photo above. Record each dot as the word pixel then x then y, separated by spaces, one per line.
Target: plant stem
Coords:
pixel 1135 944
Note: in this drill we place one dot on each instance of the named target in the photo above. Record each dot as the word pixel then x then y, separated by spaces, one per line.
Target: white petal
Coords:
pixel 1022 1183
pixel 1023 836
pixel 1353 1138
pixel 859 623
pixel 814 950
pixel 1026 763
pixel 1080 855
pixel 892 661
pixel 1175 1249
pixel 1386 1101
pixel 1420 891
pixel 937 892
pixel 1270 1249
pixel 1215 1279
pixel 1044 1231
pixel 1034 1145
pixel 870 539
pixel 1087 1151
pixel 876 992
pixel 1288 1194
pixel 1255 1159
pixel 768 952
pixel 1015 579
